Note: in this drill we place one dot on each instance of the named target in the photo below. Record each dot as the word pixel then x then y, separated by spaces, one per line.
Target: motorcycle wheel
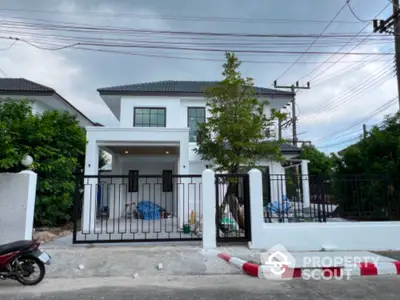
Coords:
pixel 26 263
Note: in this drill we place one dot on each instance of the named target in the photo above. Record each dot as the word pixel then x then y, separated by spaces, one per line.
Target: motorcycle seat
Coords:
pixel 14 246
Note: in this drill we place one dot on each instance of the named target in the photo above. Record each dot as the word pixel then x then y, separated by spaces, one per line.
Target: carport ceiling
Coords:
pixel 144 150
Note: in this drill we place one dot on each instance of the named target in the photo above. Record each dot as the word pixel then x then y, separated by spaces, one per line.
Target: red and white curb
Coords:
pixel 356 269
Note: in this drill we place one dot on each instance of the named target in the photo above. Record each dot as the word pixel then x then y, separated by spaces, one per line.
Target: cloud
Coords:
pixel 76 74
pixel 347 100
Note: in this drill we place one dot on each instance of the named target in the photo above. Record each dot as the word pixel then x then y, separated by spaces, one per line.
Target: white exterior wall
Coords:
pixel 42 103
pixel 17 206
pixel 176 111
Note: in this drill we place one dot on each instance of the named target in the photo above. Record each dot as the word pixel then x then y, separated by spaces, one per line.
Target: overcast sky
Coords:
pixel 330 107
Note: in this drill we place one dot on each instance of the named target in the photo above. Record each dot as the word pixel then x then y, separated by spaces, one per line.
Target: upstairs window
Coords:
pixel 196 115
pixel 149 117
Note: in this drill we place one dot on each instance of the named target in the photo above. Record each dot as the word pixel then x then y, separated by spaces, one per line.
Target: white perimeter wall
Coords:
pixel 299 236
pixel 17 206
pixel 315 236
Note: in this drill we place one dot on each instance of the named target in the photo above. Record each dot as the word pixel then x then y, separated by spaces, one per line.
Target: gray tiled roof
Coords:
pixel 175 87
pixel 289 148
pixel 12 85
pixel 15 86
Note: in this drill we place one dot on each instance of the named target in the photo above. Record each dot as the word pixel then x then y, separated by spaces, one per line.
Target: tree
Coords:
pixel 103 159
pixel 375 163
pixel 236 131
pixel 235 134
pixel 57 144
pixel 319 162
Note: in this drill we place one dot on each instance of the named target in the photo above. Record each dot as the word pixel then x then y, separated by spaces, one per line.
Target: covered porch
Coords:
pixel 145 162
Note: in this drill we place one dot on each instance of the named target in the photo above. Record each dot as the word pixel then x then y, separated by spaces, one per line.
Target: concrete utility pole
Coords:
pixel 279 129
pixel 293 120
pixel 364 131
pixel 391 25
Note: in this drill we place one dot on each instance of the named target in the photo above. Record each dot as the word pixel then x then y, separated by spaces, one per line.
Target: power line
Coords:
pixel 366 117
pixel 359 88
pixel 352 68
pixel 85 28
pixel 274 43
pixel 9 47
pixel 391 25
pixel 339 143
pixel 107 45
pixel 310 46
pixel 2 72
pixel 166 56
pixel 354 14
pixel 176 18
pixel 358 34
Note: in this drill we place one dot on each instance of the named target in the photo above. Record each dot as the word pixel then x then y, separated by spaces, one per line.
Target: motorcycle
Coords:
pixel 19 261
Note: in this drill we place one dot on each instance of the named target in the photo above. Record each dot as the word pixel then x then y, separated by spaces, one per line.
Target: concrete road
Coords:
pixel 236 287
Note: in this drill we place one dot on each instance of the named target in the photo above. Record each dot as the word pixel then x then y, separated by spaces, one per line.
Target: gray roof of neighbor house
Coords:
pixel 176 87
pixel 287 148
pixel 16 86
pixel 13 85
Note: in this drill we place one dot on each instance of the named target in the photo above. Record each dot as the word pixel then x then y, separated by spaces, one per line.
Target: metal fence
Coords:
pixel 130 208
pixel 337 198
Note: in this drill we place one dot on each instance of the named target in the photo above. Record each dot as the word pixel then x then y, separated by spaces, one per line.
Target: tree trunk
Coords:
pixel 232 201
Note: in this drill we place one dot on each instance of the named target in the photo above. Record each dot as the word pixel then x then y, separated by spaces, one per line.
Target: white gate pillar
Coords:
pixel 209 209
pixel 256 209
pixel 90 189
pixel 305 183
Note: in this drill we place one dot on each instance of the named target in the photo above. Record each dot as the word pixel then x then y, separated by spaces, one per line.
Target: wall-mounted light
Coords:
pixel 166 152
pixel 27 160
pixel 126 152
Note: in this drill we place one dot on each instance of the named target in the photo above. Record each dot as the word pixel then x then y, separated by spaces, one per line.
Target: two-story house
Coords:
pixel 41 97
pixel 156 137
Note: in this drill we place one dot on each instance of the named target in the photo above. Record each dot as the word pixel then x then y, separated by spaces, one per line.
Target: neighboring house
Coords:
pixel 158 131
pixel 42 98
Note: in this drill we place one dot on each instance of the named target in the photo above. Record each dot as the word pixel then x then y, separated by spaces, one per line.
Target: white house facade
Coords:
pixel 156 137
pixel 41 97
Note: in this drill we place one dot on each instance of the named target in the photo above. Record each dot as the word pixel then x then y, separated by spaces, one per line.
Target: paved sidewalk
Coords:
pixel 126 261
pixel 177 259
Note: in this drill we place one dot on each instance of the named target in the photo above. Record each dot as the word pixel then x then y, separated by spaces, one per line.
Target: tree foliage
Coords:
pixel 375 163
pixel 319 162
pixel 235 132
pixel 57 144
pixel 379 153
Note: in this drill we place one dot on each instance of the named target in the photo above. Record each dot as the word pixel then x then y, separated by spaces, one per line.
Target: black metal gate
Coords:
pixel 232 208
pixel 137 208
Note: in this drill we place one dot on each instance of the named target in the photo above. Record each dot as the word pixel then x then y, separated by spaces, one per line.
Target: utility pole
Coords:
pixel 391 26
pixel 293 120
pixel 279 129
pixel 364 131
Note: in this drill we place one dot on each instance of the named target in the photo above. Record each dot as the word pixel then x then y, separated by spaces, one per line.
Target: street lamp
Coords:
pixel 27 160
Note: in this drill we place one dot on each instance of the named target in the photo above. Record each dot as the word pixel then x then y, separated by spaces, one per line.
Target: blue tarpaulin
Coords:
pixel 148 210
pixel 279 207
